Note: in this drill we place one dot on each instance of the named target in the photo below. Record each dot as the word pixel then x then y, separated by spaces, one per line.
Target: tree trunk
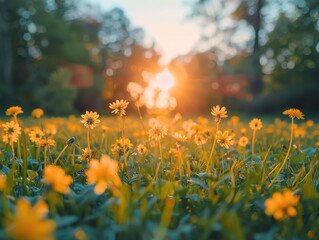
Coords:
pixel 6 59
pixel 256 81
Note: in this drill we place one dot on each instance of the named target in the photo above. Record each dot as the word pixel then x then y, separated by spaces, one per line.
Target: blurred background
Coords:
pixel 68 56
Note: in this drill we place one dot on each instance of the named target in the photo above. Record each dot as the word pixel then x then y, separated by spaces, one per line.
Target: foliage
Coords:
pixel 58 95
pixel 168 194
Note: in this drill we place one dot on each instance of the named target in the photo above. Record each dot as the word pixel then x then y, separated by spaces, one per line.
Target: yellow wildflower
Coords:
pixel 14 111
pixel 28 223
pixel 282 205
pixel 199 139
pixel 157 132
pixel 3 179
pixel 224 139
pixel 121 146
pixel 36 135
pixel 55 176
pixel 46 142
pixel 294 113
pixel 104 174
pixel 141 149
pixel 12 131
pixel 37 113
pixel 243 141
pixel 119 107
pixel 310 123
pixel 90 119
pixel 180 137
pixel 219 113
pixel 86 154
pixel 256 124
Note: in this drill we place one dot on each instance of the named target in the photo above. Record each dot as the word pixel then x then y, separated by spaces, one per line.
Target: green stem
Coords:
pixel 88 139
pixel 161 155
pixel 287 154
pixel 253 143
pixel 213 147
pixel 55 161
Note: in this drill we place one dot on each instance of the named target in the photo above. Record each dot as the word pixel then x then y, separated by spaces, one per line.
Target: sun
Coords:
pixel 164 80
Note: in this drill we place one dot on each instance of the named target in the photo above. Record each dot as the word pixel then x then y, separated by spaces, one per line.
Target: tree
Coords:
pixel 229 22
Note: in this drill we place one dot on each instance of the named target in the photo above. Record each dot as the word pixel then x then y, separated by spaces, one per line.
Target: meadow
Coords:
pixel 158 177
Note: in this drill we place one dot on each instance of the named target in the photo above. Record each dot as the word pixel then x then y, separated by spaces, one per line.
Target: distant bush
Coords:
pixel 304 97
pixel 58 95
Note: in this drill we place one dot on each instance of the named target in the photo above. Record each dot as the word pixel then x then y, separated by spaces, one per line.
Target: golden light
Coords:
pixel 156 95
pixel 165 80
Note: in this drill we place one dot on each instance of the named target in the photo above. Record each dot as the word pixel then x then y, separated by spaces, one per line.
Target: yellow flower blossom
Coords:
pixel 219 113
pixel 256 124
pixel 157 132
pixel 243 141
pixel 55 176
pixel 90 119
pixel 294 113
pixel 36 135
pixel 121 145
pixel 104 173
pixel 12 131
pixel 119 107
pixel 180 137
pixel 3 179
pixel 141 149
pixel 46 142
pixel 224 139
pixel 37 113
pixel 28 223
pixel 14 111
pixel 86 154
pixel 282 205
pixel 199 139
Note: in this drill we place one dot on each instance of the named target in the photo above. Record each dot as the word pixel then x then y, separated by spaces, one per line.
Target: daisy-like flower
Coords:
pixel 119 107
pixel 14 111
pixel 157 132
pixel 90 119
pixel 294 113
pixel 141 149
pixel 104 173
pixel 36 135
pixel 199 139
pixel 219 113
pixel 37 113
pixel 3 181
pixel 51 129
pixel 86 154
pixel 55 176
pixel 243 141
pixel 256 124
pixel 12 131
pixel 105 128
pixel 282 205
pixel 29 222
pixel 121 146
pixel 180 137
pixel 224 139
pixel 46 142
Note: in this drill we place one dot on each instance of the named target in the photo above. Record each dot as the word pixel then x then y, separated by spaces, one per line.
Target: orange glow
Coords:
pixel 156 95
pixel 165 80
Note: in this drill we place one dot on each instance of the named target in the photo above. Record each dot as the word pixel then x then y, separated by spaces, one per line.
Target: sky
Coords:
pixel 164 22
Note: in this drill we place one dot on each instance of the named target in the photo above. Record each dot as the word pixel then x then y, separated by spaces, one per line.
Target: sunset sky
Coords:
pixel 164 22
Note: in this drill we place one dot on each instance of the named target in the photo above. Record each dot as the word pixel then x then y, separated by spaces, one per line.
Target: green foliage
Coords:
pixel 58 96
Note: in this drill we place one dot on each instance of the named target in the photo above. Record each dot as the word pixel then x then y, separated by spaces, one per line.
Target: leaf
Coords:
pixel 66 221
pixel 310 151
pixel 32 174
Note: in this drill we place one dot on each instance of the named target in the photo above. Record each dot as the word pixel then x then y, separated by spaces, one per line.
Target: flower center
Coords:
pixel 89 121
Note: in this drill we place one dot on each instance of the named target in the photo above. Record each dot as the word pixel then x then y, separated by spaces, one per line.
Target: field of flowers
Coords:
pixel 143 177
